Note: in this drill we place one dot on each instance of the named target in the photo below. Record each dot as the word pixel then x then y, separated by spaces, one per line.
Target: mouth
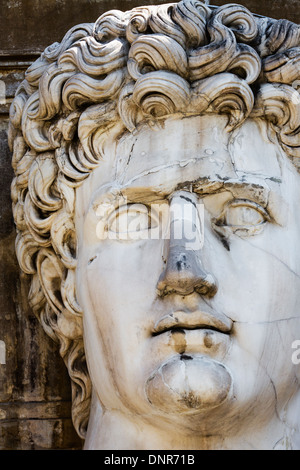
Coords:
pixel 198 319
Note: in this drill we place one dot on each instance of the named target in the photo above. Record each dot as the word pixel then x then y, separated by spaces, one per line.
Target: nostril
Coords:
pixel 207 286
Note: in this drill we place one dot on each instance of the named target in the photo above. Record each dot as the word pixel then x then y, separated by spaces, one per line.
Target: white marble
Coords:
pixel 164 343
pixel 156 199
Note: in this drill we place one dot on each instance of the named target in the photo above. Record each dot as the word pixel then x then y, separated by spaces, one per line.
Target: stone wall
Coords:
pixel 34 385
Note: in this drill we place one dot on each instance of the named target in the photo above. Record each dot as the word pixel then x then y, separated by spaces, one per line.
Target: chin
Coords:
pixel 189 384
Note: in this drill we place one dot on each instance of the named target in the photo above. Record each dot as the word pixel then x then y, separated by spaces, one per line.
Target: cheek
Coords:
pixel 119 293
pixel 253 277
pixel 126 269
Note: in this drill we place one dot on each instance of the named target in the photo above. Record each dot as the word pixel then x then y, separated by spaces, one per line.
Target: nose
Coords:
pixel 184 272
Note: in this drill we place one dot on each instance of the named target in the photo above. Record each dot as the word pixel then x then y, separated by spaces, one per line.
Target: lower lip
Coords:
pixel 200 340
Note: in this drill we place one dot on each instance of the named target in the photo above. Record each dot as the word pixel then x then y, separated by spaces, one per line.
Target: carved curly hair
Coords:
pixel 102 80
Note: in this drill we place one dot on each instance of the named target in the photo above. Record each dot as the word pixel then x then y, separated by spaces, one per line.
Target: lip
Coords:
pixel 193 320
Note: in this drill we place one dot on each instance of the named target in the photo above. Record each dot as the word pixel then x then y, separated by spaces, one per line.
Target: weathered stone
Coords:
pixel 205 113
pixel 35 395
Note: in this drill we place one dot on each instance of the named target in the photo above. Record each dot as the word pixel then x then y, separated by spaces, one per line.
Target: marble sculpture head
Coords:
pixel 187 110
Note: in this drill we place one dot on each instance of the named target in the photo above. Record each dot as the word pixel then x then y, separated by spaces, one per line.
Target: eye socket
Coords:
pixel 242 213
pixel 131 222
pixel 243 217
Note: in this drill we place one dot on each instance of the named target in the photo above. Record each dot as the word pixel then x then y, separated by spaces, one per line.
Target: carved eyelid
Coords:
pixel 239 203
pixel 125 208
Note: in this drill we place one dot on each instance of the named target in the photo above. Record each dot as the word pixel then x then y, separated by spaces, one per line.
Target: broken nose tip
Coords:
pixel 182 284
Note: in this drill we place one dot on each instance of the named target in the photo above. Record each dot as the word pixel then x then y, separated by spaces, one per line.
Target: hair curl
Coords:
pixel 107 77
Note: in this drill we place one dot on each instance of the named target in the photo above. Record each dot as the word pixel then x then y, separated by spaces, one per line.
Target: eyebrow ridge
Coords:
pixel 256 191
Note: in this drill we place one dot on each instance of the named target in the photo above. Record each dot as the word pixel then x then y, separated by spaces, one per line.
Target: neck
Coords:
pixel 113 430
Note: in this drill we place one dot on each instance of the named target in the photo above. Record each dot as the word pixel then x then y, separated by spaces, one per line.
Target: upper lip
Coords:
pixel 193 320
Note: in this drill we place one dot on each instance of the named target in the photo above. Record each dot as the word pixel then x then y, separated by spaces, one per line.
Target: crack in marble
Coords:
pixel 273 256
pixel 266 322
pixel 158 168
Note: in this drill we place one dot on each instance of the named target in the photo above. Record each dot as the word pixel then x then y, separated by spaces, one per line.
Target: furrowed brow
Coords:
pixel 240 189
pixel 256 191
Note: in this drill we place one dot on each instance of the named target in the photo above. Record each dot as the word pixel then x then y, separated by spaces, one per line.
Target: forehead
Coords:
pixel 186 153
pixel 196 147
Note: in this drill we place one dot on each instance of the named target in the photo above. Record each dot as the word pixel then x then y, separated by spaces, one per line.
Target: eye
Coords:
pixel 244 213
pixel 243 217
pixel 131 222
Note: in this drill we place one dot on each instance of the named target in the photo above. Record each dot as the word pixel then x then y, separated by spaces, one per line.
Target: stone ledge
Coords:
pixel 34 410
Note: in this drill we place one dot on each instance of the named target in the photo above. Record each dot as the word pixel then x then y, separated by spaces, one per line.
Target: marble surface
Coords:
pixel 155 197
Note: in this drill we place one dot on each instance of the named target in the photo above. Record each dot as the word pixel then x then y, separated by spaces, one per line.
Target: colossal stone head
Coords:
pixel 178 115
